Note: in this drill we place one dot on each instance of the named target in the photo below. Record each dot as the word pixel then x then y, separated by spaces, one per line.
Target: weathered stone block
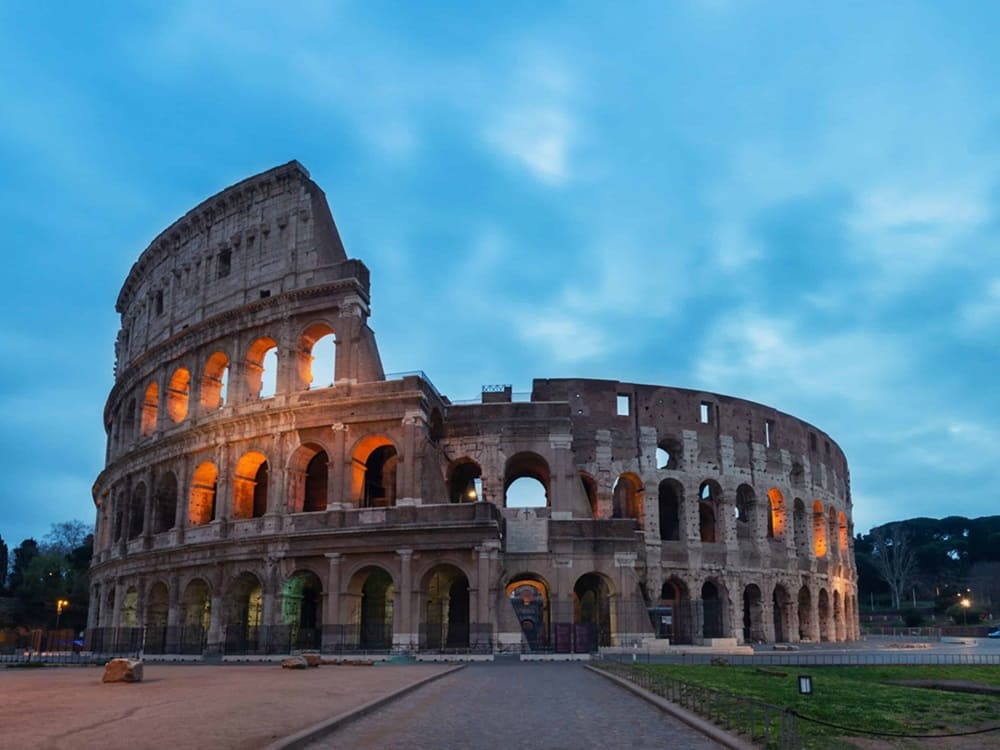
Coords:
pixel 294 662
pixel 123 670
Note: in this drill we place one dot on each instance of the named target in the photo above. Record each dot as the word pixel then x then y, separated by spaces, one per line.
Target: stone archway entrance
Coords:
pixel 591 613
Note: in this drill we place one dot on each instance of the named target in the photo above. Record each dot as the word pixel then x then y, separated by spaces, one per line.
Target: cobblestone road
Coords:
pixel 514 705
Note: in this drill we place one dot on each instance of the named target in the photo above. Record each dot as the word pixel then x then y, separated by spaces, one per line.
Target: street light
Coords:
pixel 59 608
pixel 966 602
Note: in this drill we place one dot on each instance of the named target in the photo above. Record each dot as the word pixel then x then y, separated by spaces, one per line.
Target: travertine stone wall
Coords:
pixel 375 512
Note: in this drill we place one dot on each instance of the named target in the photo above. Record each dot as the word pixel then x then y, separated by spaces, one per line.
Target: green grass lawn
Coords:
pixel 857 697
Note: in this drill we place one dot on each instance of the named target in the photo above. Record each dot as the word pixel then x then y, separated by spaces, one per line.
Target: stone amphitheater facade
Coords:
pixel 245 510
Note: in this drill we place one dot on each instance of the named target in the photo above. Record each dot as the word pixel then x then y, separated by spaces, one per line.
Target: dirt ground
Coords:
pixel 184 707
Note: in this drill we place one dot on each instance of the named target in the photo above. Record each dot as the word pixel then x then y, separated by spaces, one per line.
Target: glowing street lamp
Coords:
pixel 60 604
pixel 966 602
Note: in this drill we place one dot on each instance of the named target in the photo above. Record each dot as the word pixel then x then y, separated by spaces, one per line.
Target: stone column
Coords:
pixel 483 586
pixel 331 609
pixel 116 612
pixel 404 635
pixel 335 492
pixel 405 492
pixel 93 611
pixel 216 627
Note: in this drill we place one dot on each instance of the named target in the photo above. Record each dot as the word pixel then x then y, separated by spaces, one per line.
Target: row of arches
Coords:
pixel 241 609
pixel 827 524
pixel 315 364
pixel 774 616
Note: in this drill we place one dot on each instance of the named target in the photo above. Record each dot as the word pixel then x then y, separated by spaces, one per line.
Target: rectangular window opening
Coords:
pixel 812 441
pixel 768 432
pixel 265 293
pixel 705 413
pixel 225 262
pixel 159 302
pixel 623 405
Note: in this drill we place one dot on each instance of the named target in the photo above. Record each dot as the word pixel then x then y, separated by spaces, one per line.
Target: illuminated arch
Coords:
pixel 150 409
pixel 202 500
pixel 250 486
pixel 178 394
pixel 215 382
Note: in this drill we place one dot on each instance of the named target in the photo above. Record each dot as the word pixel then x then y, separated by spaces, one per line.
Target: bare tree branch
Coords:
pixel 894 558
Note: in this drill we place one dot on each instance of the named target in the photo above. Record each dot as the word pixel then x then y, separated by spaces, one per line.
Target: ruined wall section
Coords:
pixel 263 237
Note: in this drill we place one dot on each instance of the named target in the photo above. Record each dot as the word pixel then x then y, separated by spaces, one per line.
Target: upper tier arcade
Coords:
pixel 264 237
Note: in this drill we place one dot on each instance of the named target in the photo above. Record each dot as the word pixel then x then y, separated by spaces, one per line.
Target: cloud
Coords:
pixel 774 359
pixel 981 315
pixel 533 124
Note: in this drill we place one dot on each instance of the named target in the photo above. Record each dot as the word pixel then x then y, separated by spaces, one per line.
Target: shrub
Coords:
pixel 912 618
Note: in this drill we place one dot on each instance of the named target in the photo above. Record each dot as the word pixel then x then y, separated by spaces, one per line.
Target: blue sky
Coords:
pixel 795 203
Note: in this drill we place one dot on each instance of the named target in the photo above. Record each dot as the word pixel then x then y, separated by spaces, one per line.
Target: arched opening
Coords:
pixel 781 614
pixel 316 482
pixel 746 506
pixel 831 535
pixel 215 382
pixel 819 530
pixel 838 618
pixel 150 409
pixel 372 593
pixel 823 608
pixel 465 484
pixel 446 609
pixel 675 617
pixel 373 472
pixel 776 514
pixel 805 614
pixel 712 607
pixel 591 613
pixel 590 492
pixel 843 533
pixel 626 498
pixel 317 357
pixel 157 605
pixel 128 428
pixel 668 454
pixel 530 599
pixel 244 609
pixel 308 474
pixel 119 517
pixel 526 481
pixel 300 609
pixel 800 529
pixel 709 497
pixel 204 483
pixel 165 506
pixel 195 616
pixel 250 486
pixel 753 615
pixel 261 368
pixel 128 617
pixel 178 394
pixel 669 505
pixel 137 511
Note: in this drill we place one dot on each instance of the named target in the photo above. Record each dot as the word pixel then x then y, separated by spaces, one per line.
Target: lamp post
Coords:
pixel 59 608
pixel 966 602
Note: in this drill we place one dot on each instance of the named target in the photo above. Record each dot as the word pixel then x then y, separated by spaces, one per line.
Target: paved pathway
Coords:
pixel 514 705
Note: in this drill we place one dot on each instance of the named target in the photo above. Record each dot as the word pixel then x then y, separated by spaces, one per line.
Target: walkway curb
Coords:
pixel 694 721
pixel 304 736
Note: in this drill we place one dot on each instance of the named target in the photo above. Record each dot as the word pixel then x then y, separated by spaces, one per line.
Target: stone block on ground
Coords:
pixel 294 662
pixel 123 670
pixel 313 660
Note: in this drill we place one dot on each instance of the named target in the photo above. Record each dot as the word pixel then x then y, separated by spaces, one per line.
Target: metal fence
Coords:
pixel 809 658
pixel 764 723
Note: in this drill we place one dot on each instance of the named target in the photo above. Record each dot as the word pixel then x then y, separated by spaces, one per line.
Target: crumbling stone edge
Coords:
pixel 694 721
pixel 304 736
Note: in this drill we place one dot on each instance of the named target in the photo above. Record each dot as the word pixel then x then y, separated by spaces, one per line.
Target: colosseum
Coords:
pixel 269 488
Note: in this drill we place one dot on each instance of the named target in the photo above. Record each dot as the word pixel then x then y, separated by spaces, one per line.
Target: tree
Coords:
pixel 23 555
pixel 894 558
pixel 65 536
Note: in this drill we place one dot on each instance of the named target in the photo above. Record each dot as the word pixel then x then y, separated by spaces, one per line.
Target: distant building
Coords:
pixel 252 502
